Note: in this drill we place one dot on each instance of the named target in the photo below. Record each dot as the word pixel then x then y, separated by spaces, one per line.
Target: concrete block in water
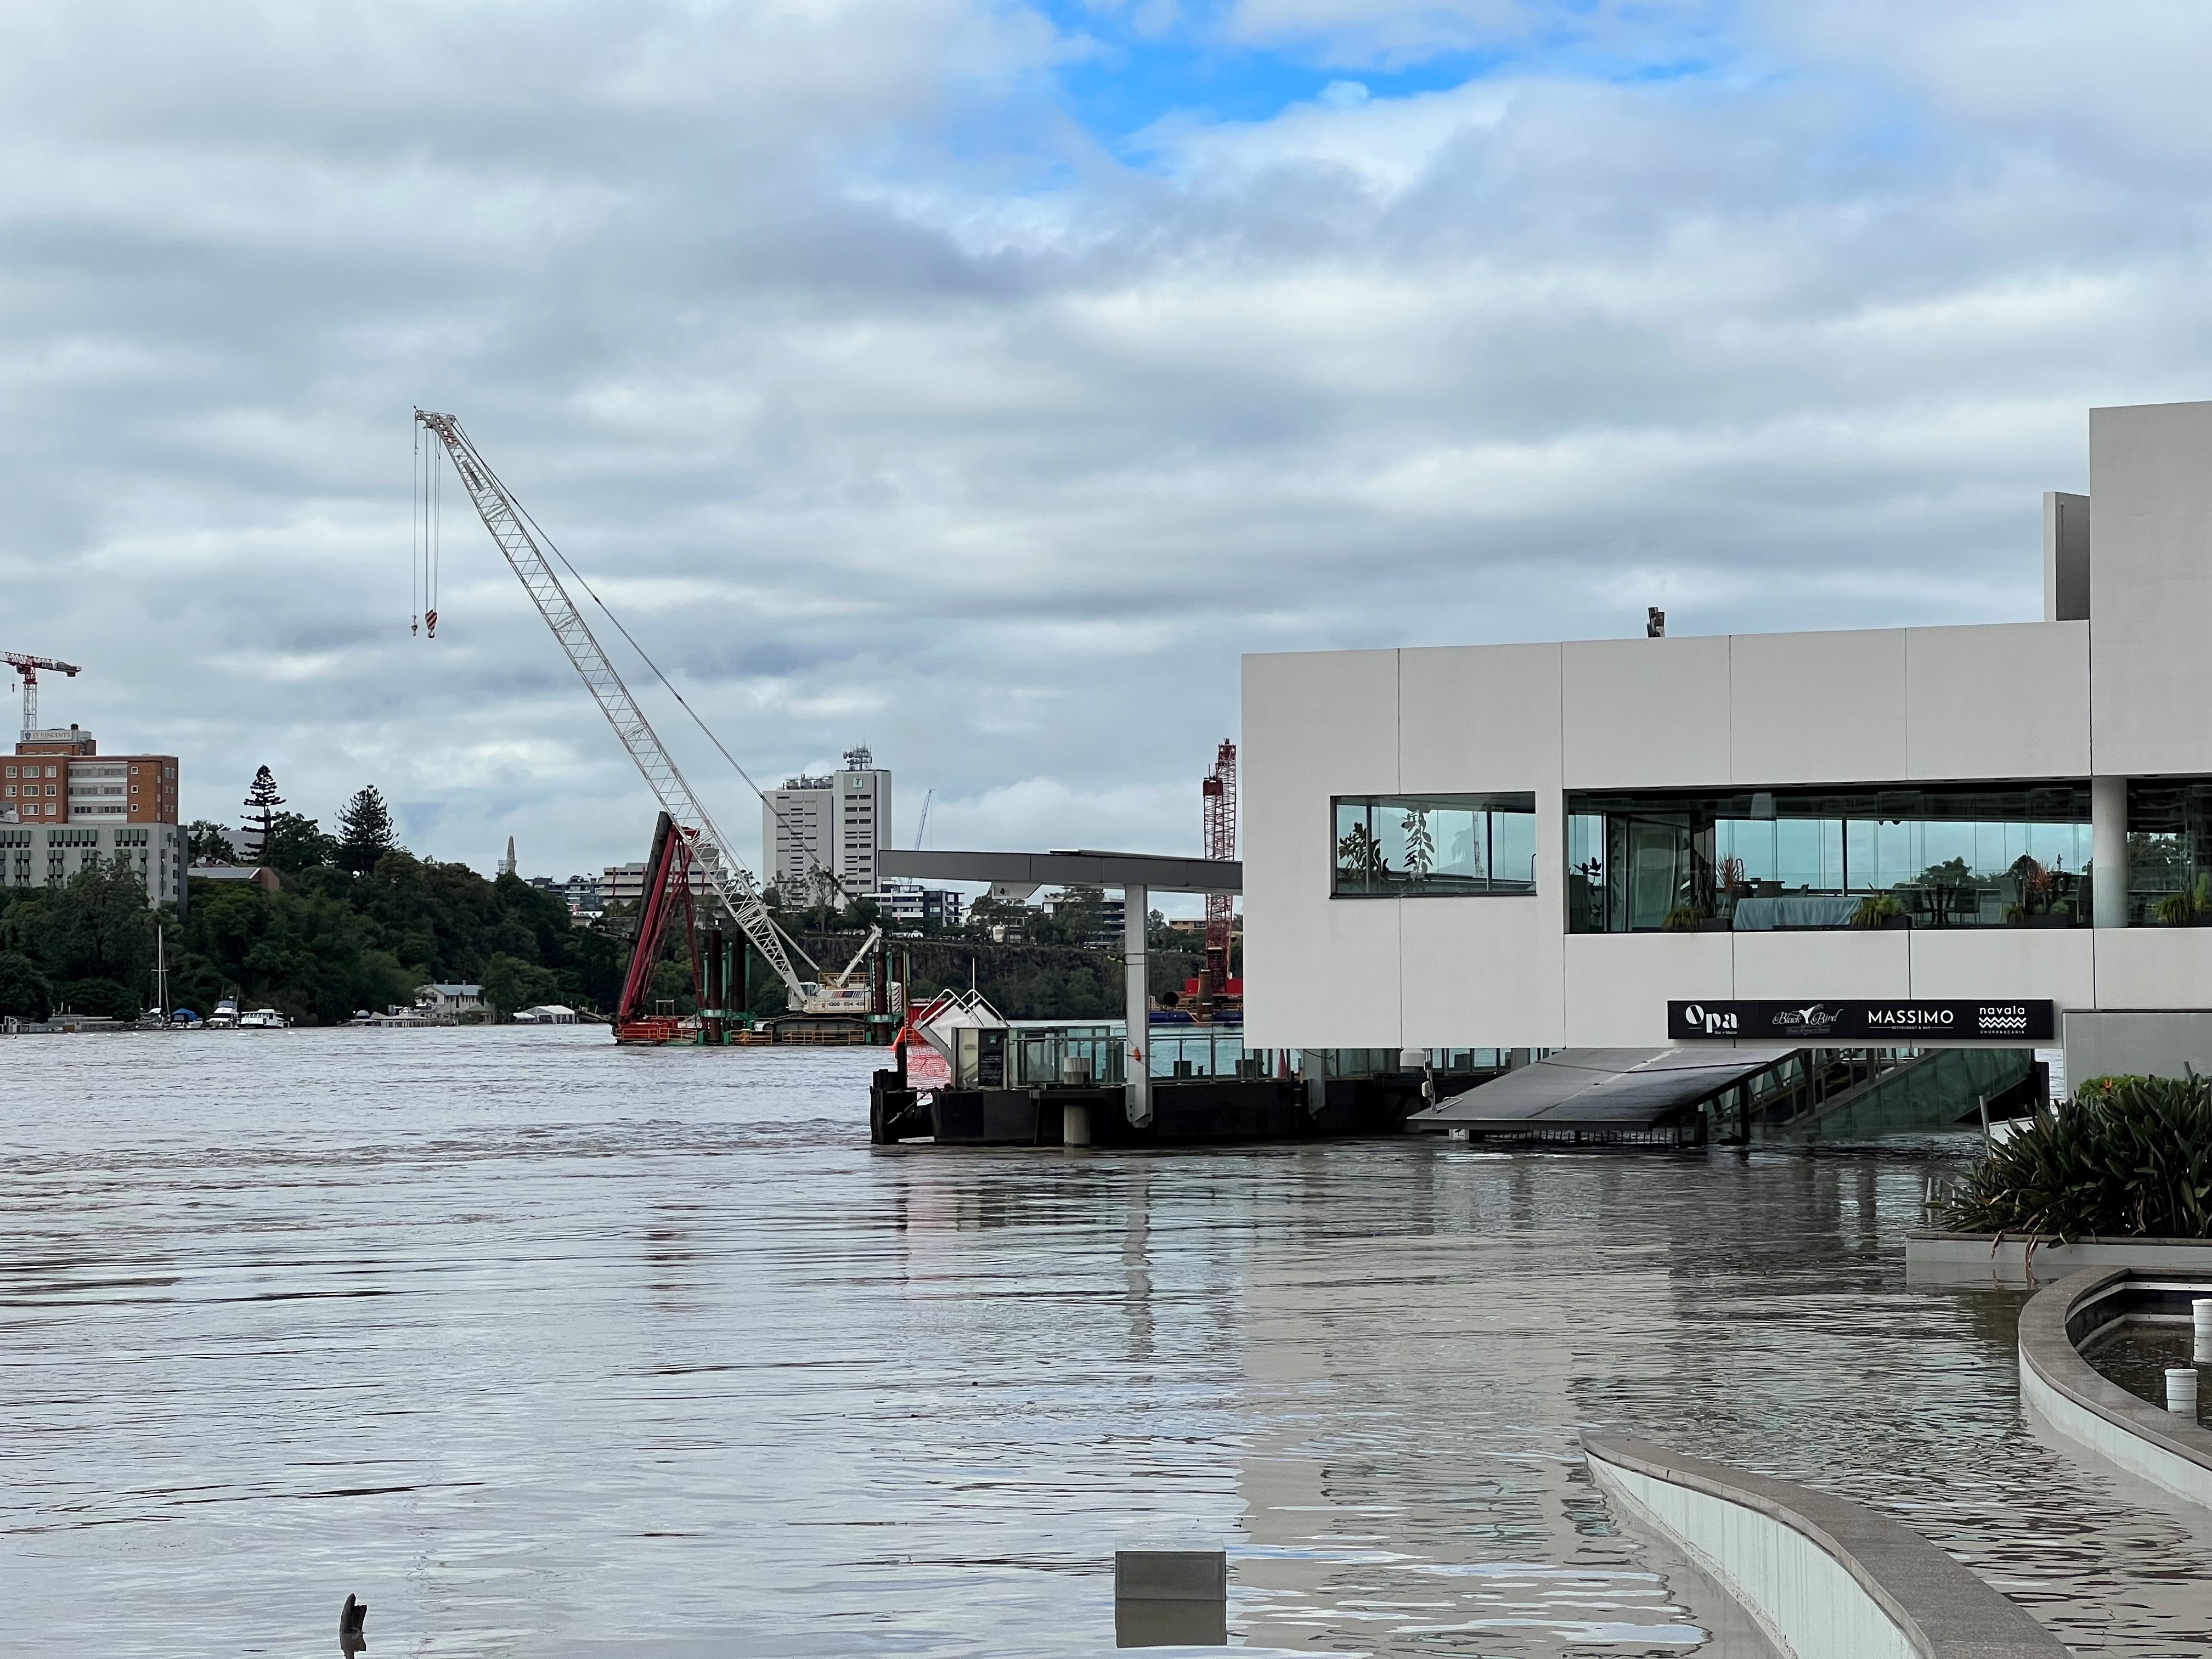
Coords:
pixel 1170 1575
pixel 1170 1598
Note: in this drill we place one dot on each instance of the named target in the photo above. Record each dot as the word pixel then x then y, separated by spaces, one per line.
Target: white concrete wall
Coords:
pixel 2005 701
pixel 2150 588
pixel 2109 1440
pixel 1801 1596
pixel 1324 973
pixel 2102 1044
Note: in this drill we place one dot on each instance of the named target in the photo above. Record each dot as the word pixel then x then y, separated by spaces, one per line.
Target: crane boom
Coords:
pixel 732 882
pixel 28 667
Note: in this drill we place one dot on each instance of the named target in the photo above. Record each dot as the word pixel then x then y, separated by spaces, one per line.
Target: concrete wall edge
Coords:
pixel 1937 1608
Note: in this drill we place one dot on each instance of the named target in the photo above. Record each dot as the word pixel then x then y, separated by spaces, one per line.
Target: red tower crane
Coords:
pixel 1217 816
pixel 28 667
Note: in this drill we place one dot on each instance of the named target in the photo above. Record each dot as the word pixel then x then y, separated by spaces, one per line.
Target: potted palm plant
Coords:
pixel 1880 910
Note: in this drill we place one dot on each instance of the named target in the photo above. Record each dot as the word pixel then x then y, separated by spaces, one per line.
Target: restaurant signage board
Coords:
pixel 1903 1024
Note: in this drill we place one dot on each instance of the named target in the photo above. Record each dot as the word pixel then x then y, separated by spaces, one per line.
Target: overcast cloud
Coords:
pixel 977 380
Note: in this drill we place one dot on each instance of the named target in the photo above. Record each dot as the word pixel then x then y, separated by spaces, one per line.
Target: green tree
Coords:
pixel 364 833
pixel 510 983
pixel 262 801
pixel 294 843
pixel 99 996
pixel 208 842
pixel 98 927
pixel 24 991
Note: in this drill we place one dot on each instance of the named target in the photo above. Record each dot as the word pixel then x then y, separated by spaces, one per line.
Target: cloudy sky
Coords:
pixel 977 380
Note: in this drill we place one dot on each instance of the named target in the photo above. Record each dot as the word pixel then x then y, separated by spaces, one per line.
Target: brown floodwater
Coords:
pixel 543 1348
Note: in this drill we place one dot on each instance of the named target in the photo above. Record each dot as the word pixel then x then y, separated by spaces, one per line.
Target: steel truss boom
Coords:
pixel 712 857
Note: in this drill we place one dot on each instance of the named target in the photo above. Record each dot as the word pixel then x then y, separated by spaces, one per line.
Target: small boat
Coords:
pixel 225 1015
pixel 262 1020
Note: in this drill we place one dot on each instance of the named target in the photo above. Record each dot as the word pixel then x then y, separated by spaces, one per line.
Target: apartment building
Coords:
pixel 837 822
pixel 64 806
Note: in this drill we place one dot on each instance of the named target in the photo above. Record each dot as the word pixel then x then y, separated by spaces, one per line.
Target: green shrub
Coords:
pixel 1875 909
pixel 2127 1155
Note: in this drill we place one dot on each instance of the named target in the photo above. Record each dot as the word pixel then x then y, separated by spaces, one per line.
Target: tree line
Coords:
pixel 360 923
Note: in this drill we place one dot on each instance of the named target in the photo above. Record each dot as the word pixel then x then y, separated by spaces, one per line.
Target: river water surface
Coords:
pixel 544 1348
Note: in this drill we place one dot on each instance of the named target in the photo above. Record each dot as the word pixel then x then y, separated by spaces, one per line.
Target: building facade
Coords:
pixel 836 824
pixel 65 805
pixel 48 856
pixel 1546 846
pixel 60 776
pixel 624 883
pixel 911 904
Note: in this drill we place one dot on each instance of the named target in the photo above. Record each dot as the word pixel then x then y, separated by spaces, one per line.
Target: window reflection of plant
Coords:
pixel 1729 884
pixel 1420 846
pixel 2046 890
pixel 1592 870
pixel 1359 854
pixel 1950 891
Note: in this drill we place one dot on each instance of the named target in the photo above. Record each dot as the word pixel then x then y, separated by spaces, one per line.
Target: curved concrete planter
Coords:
pixel 2089 1408
pixel 1933 1257
pixel 1825 1578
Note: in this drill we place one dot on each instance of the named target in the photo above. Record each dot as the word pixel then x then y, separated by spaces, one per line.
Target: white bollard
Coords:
pixel 2181 1391
pixel 2201 1317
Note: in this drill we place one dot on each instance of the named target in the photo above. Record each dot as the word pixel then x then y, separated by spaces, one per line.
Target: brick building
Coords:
pixel 63 805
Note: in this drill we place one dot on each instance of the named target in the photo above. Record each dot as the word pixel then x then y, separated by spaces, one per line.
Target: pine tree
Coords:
pixel 262 801
pixel 364 831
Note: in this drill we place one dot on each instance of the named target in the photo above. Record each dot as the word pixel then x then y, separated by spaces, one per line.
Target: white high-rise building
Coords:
pixel 836 823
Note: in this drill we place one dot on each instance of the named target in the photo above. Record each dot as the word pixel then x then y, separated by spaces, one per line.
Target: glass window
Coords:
pixel 1430 846
pixel 2169 852
pixel 1942 855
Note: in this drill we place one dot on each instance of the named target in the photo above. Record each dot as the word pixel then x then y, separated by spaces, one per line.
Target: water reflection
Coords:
pixel 558 1350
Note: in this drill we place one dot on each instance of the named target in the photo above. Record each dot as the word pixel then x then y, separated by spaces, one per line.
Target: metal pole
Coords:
pixel 1136 906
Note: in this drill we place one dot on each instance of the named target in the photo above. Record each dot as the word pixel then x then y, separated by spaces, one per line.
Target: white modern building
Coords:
pixel 1955 834
pixel 836 823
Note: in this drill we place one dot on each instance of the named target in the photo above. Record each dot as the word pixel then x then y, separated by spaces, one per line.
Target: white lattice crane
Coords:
pixel 510 528
pixel 28 667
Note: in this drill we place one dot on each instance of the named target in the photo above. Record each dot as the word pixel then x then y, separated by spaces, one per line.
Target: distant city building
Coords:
pixel 61 776
pixel 507 864
pixel 624 883
pixel 910 904
pixel 583 894
pixel 48 856
pixel 1111 911
pixel 836 823
pixel 63 805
